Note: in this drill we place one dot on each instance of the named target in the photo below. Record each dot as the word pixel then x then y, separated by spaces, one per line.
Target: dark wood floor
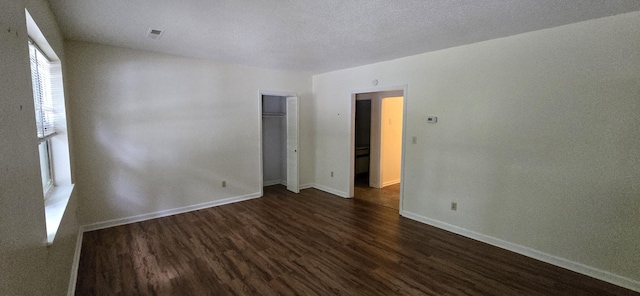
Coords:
pixel 309 244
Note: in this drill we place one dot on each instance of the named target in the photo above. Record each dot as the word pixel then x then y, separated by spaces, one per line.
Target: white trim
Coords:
pixel 276 94
pixel 389 183
pixel 273 182
pixel 35 33
pixel 71 291
pixel 405 102
pixel 380 89
pixel 160 214
pixel 55 205
pixel 306 186
pixel 529 252
pixel 352 144
pixel 331 190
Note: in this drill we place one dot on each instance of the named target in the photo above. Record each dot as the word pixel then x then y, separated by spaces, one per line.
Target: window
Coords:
pixel 41 80
pixel 51 123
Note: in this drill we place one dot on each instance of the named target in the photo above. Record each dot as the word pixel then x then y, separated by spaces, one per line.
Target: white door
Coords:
pixel 292 145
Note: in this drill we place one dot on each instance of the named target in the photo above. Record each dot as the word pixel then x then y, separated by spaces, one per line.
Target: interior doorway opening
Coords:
pixel 377 146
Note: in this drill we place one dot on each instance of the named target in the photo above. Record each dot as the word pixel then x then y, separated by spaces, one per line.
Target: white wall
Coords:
pixel 29 267
pixel 156 132
pixel 390 140
pixel 538 140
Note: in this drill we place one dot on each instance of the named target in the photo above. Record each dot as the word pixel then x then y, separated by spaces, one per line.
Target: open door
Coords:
pixel 292 145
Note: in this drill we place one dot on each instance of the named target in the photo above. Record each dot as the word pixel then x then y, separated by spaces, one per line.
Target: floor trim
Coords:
pixel 529 252
pixel 394 182
pixel 331 190
pixel 306 186
pixel 160 214
pixel 71 291
pixel 273 182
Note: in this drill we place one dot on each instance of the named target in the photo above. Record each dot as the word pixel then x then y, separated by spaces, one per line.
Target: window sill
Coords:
pixel 54 206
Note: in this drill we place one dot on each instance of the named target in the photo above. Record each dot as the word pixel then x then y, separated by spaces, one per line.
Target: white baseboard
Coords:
pixel 394 182
pixel 284 183
pixel 529 252
pixel 306 186
pixel 160 214
pixel 331 190
pixel 269 183
pixel 71 291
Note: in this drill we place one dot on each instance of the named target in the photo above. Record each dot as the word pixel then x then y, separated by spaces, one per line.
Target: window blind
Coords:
pixel 44 90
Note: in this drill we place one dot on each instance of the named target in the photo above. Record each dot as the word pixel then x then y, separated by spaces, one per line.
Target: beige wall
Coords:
pixel 29 267
pixel 391 140
pixel 537 140
pixel 156 132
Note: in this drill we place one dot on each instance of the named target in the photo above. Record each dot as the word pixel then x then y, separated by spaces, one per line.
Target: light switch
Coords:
pixel 432 119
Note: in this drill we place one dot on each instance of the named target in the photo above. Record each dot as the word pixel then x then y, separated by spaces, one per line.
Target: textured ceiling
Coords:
pixel 315 35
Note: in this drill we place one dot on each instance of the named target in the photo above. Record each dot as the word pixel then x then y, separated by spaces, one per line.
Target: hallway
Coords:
pixel 388 196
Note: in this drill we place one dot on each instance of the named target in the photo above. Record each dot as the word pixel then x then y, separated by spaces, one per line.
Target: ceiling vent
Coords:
pixel 154 34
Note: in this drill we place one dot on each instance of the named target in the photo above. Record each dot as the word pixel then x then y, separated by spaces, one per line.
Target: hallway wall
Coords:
pixel 391 140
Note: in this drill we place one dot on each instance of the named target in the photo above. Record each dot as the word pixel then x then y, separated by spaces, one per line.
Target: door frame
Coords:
pixel 260 166
pixel 352 142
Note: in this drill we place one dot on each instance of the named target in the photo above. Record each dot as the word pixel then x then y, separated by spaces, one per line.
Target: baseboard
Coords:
pixel 394 182
pixel 269 183
pixel 71 291
pixel 160 214
pixel 532 253
pixel 306 186
pixel 331 190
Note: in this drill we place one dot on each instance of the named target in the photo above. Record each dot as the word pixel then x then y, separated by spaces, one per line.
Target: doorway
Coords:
pixel 377 137
pixel 279 133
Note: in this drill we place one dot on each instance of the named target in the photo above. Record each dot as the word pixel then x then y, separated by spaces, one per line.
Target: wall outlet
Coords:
pixel 224 183
pixel 414 140
pixel 331 174
pixel 454 206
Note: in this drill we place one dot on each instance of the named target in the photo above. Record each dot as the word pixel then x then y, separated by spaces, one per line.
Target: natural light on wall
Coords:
pixel 51 123
pixel 391 140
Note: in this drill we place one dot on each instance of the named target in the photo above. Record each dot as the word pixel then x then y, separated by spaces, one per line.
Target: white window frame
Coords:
pixel 58 194
pixel 42 96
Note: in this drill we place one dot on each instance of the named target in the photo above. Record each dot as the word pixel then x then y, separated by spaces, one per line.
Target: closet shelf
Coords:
pixel 273 114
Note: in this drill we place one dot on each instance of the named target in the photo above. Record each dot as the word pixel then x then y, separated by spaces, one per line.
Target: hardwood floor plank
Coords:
pixel 312 243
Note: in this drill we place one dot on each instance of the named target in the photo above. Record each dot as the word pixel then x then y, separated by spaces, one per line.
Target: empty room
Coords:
pixel 305 147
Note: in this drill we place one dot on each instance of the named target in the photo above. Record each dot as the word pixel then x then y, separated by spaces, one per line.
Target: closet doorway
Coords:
pixel 280 140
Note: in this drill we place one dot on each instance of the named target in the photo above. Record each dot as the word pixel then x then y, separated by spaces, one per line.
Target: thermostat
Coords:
pixel 432 119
